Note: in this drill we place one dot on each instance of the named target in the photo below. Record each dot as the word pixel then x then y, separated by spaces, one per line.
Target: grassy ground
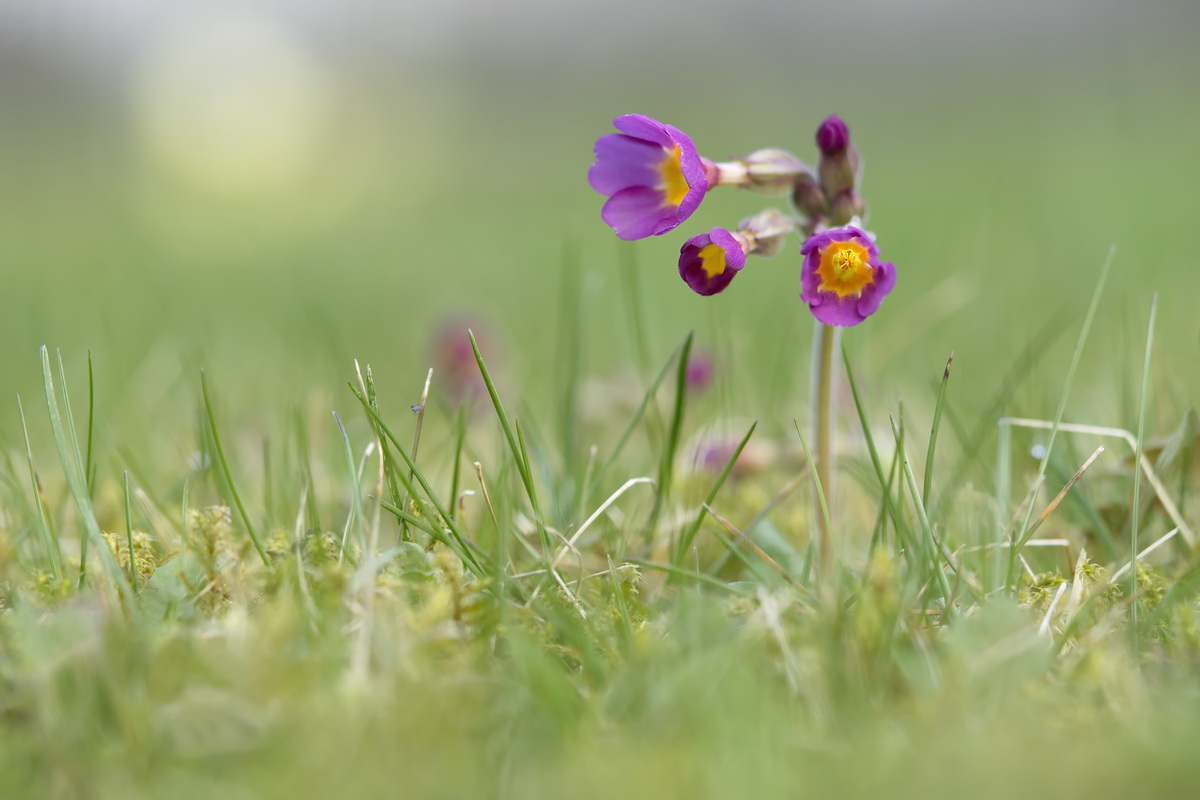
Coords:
pixel 532 601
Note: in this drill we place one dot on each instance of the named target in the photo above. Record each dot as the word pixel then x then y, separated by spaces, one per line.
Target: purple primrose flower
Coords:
pixel 843 280
pixel 708 262
pixel 652 175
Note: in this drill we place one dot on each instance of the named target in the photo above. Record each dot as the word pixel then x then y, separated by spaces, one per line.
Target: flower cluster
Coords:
pixel 654 179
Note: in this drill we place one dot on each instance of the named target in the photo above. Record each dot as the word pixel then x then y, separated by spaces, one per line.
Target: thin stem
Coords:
pixel 825 344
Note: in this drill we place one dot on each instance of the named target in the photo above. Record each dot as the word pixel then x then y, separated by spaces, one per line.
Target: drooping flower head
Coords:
pixel 842 280
pixel 652 175
pixel 708 262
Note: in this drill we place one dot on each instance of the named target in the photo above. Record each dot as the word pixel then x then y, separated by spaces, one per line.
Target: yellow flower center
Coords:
pixel 845 269
pixel 674 185
pixel 712 260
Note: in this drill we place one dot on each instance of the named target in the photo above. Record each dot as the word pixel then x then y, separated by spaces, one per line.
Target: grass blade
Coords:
pixel 45 528
pixel 1137 473
pixel 927 485
pixel 513 445
pixel 237 500
pixel 689 535
pixel 666 465
pixel 68 454
pixel 1062 403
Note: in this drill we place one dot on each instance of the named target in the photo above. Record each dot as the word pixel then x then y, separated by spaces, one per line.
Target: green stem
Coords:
pixel 824 345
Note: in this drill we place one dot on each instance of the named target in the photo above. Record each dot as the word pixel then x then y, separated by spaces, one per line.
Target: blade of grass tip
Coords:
pixel 45 529
pixel 513 445
pixel 666 464
pixel 89 466
pixel 77 485
pixel 366 382
pixel 460 435
pixel 1058 498
pixel 927 485
pixel 237 500
pixel 647 398
pixel 885 482
pixel 73 440
pixel 133 575
pixel 464 550
pixel 419 410
pixel 826 531
pixel 1137 473
pixel 929 546
pixel 685 542
pixel 356 509
pixel 1076 356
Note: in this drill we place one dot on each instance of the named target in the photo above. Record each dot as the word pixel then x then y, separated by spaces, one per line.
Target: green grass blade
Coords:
pixel 68 454
pixel 45 528
pixel 513 445
pixel 1137 473
pixel 826 558
pixel 666 464
pixel 464 551
pixel 89 465
pixel 1062 402
pixel 216 439
pixel 356 508
pixel 929 547
pixel 133 574
pixel 647 398
pixel 927 485
pixel 689 535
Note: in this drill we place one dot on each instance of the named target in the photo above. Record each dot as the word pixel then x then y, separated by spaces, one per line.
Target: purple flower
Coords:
pixel 708 262
pixel 843 280
pixel 652 175
pixel 833 135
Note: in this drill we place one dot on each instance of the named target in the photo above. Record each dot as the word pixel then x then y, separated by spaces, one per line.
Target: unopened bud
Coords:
pixel 766 231
pixel 832 135
pixel 773 171
pixel 808 198
pixel 847 206
pixel 838 166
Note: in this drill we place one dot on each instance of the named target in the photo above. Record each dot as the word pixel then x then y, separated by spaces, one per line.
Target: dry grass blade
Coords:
pixel 1058 498
pixel 1160 491
pixel 770 562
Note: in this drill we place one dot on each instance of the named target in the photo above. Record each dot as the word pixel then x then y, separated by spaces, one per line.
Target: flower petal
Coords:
pixel 872 296
pixel 638 212
pixel 622 162
pixel 642 127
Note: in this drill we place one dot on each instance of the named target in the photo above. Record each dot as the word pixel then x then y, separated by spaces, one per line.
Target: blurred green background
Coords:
pixel 270 190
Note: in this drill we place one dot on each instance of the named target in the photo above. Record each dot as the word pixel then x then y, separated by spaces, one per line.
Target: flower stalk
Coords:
pixel 824 420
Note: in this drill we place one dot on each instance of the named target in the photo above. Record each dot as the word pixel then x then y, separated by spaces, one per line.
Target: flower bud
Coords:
pixel 808 198
pixel 773 171
pixel 847 206
pixel 839 162
pixel 766 231
pixel 833 135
